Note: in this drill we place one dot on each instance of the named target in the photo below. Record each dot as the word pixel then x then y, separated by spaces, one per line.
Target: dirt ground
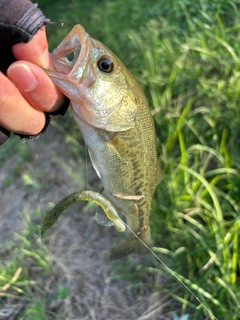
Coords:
pixel 79 247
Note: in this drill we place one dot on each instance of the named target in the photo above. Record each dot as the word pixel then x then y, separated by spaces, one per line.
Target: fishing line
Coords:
pixel 170 271
pixel 86 164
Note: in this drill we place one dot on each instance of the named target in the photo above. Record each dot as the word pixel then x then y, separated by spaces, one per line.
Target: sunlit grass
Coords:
pixel 25 277
pixel 24 256
pixel 190 82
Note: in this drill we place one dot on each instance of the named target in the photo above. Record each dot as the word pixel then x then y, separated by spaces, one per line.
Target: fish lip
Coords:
pixel 78 43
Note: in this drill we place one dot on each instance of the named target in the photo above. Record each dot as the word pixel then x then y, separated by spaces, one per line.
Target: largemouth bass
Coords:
pixel 113 115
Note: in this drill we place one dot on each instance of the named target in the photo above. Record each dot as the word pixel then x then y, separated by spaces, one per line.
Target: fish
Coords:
pixel 115 121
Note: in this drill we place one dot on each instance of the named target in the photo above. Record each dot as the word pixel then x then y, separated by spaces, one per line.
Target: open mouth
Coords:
pixel 71 56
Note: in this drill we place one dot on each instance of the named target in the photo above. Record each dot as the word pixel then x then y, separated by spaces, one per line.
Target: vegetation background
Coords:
pixel 186 56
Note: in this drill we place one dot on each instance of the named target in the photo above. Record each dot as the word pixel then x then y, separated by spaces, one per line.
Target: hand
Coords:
pixel 27 92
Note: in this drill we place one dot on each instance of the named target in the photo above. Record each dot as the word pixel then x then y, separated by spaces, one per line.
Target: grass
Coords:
pixel 186 56
pixel 22 297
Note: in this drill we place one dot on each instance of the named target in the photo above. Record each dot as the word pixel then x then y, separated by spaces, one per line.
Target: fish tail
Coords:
pixel 132 244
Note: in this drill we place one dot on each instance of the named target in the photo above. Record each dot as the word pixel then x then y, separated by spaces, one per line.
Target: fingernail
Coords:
pixel 23 77
pixel 47 58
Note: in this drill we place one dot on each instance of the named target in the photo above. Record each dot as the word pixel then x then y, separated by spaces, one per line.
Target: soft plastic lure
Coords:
pixel 74 197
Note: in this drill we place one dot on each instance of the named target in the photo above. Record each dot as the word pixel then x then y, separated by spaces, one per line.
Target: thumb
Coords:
pixel 35 51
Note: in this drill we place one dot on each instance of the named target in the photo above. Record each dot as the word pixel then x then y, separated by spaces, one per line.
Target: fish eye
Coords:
pixel 105 64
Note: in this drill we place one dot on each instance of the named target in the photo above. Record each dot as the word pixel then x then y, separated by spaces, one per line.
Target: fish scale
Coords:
pixel 113 115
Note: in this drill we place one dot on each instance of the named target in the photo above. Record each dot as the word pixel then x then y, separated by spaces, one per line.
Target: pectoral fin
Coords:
pixel 119 147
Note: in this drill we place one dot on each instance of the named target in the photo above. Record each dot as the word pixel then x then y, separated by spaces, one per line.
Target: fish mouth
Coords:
pixel 72 54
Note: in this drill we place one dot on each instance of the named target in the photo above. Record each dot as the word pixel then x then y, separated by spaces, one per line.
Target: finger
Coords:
pixel 16 113
pixel 35 85
pixel 36 51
